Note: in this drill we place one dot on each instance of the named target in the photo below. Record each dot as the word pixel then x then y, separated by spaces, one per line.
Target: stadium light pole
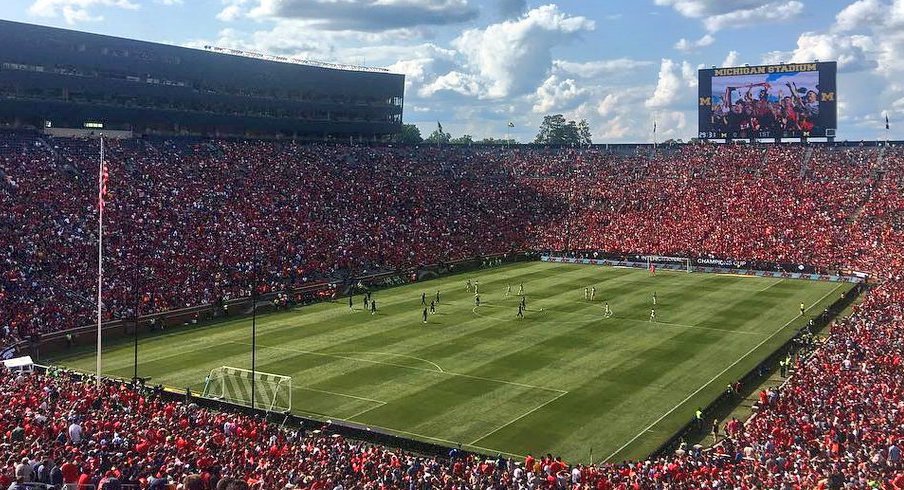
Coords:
pixel 253 326
pixel 137 285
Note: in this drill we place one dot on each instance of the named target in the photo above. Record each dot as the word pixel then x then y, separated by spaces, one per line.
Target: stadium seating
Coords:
pixel 195 213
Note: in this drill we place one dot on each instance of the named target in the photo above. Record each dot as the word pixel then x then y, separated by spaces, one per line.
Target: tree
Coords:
pixel 462 140
pixel 410 135
pixel 584 133
pixel 438 138
pixel 556 130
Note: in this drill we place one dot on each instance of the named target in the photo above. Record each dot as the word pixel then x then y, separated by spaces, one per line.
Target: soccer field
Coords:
pixel 562 380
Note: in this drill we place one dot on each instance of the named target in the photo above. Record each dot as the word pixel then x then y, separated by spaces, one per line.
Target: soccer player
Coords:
pixel 652 269
pixel 373 307
pixel 433 307
pixel 520 311
pixel 592 293
pixel 654 298
pixel 802 309
pixel 468 285
pixel 476 300
pixel 424 298
pixel 608 312
pixel 586 293
pixel 476 286
pixel 653 314
pixel 366 298
pixel 350 305
pixel 437 296
pixel 521 289
pixel 508 290
pixel 425 316
pixel 524 302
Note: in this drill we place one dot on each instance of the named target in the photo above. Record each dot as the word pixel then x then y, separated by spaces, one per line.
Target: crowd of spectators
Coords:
pixel 196 219
pixel 838 423
pixel 192 221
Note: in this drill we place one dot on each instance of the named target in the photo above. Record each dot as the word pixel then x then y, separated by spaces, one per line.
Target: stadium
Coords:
pixel 225 270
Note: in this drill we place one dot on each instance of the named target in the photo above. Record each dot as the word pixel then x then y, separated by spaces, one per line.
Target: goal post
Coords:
pixel 673 263
pixel 272 392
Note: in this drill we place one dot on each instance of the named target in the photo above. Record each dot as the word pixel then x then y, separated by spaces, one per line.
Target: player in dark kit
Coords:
pixel 520 311
pixel 425 316
pixel 437 296
pixel 432 307
pixel 476 300
pixel 423 298
pixel 350 305
pixel 366 296
pixel 373 307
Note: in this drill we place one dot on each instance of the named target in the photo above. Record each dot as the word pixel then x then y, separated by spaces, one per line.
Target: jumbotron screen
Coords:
pixel 771 101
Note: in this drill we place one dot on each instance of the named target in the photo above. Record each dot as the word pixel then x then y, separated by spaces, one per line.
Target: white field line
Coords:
pixel 698 390
pixel 437 366
pixel 305 388
pixel 769 286
pixel 362 412
pixel 695 327
pixel 510 422
pixel 414 368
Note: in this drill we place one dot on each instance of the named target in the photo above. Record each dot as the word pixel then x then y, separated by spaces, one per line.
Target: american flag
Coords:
pixel 102 191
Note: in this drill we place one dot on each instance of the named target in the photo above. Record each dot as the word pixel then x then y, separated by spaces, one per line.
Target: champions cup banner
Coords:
pixel 795 100
pixel 697 268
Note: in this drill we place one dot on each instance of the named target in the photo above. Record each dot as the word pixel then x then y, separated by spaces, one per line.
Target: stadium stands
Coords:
pixel 194 212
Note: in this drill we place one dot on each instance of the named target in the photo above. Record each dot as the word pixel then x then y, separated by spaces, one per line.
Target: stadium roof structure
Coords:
pixel 64 78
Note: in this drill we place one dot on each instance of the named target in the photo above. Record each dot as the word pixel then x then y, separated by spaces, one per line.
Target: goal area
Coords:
pixel 672 263
pixel 272 392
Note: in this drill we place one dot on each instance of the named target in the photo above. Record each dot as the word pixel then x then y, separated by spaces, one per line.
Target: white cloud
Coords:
pixel 608 105
pixel 673 86
pixel 859 14
pixel 230 13
pixel 703 8
pixel 731 59
pixel 512 57
pixel 454 81
pixel 555 94
pixel 592 69
pixel 75 11
pixel 366 15
pixel 773 12
pixel 852 52
pixel 688 46
pixel 721 14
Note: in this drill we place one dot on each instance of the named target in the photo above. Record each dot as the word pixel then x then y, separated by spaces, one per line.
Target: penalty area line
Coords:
pixel 717 376
pixel 401 366
pixel 510 422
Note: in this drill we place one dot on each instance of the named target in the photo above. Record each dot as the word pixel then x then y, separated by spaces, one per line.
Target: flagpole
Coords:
pixel 100 252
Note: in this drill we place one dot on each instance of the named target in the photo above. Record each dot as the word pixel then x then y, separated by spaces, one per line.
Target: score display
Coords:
pixel 796 100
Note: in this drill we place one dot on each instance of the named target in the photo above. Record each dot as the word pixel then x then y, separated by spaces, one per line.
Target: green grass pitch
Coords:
pixel 562 380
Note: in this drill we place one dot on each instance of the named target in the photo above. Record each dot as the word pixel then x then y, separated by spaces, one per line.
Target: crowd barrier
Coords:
pixel 855 279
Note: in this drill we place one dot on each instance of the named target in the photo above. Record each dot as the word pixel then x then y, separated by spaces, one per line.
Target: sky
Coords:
pixel 476 65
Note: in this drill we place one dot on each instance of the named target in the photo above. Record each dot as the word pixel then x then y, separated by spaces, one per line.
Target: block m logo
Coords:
pixel 707 101
pixel 828 96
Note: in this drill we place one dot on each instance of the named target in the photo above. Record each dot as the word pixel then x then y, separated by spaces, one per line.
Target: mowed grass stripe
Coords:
pixel 561 380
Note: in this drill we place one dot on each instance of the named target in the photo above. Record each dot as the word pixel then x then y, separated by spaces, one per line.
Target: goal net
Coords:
pixel 272 392
pixel 673 263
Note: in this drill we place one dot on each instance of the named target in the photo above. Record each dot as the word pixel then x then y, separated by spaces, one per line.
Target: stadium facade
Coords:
pixel 61 78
